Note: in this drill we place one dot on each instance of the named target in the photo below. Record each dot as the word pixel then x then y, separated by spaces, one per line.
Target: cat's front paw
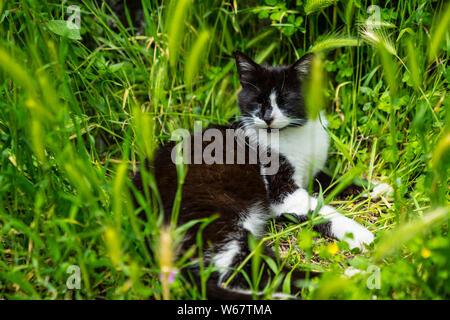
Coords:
pixel 361 238
pixel 343 226
pixel 380 190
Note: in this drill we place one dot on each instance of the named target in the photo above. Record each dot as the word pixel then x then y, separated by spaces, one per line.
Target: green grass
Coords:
pixel 77 116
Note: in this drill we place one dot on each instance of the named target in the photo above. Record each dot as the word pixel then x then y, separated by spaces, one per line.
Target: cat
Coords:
pixel 271 100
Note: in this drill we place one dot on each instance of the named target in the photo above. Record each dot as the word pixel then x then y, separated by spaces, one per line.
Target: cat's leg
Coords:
pixel 378 191
pixel 323 180
pixel 299 203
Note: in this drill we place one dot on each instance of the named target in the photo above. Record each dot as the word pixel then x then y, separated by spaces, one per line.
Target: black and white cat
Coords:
pixel 244 199
pixel 271 97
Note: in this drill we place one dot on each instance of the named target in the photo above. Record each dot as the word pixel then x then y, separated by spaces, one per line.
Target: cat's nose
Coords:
pixel 268 117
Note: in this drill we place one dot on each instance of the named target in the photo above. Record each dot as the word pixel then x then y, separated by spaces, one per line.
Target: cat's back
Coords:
pixel 218 184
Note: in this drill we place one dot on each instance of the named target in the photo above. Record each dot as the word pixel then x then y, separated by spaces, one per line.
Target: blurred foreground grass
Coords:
pixel 80 108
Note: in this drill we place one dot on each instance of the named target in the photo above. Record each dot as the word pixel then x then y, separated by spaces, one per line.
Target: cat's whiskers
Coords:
pixel 296 122
pixel 251 132
pixel 246 82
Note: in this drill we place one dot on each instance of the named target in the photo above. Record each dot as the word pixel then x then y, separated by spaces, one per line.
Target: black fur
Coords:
pixel 231 190
pixel 226 190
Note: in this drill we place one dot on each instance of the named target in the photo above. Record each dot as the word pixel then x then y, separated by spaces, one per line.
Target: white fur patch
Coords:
pixel 299 202
pixel 305 147
pixel 224 258
pixel 259 123
pixel 341 226
pixel 380 190
pixel 255 220
pixel 279 119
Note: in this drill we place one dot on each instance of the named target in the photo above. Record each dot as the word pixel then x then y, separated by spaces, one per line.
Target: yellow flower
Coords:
pixel 425 253
pixel 333 248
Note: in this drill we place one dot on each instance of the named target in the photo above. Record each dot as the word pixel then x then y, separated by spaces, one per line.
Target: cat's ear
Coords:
pixel 303 65
pixel 246 66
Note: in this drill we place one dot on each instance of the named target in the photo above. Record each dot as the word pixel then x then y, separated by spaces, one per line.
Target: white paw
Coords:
pixel 350 272
pixel 361 237
pixel 380 190
pixel 342 226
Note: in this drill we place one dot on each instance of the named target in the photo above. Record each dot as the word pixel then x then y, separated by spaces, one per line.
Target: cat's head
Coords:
pixel 272 97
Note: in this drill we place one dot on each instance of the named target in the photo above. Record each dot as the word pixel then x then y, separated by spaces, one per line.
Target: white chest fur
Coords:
pixel 305 147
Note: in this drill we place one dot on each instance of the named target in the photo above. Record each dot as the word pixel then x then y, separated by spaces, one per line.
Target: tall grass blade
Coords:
pixel 315 100
pixel 165 259
pixel 176 20
pixel 413 63
pixel 389 70
pixel 439 33
pixel 195 57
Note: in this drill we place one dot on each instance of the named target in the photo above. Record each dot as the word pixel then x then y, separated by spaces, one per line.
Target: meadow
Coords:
pixel 87 94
